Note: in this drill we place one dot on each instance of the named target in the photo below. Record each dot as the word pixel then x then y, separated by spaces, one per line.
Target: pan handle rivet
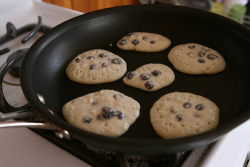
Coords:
pixel 41 98
pixel 63 134
pixel 59 134
pixel 51 112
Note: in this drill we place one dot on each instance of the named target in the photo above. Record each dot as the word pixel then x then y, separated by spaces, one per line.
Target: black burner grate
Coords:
pixel 12 32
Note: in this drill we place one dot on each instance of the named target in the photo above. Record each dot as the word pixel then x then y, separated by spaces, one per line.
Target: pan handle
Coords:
pixel 39 125
pixel 60 133
pixel 6 121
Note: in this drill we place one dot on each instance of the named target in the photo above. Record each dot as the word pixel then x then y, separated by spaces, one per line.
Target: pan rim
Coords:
pixel 131 145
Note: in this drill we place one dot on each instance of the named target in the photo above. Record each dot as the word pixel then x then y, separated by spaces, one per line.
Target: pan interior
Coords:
pixel 48 58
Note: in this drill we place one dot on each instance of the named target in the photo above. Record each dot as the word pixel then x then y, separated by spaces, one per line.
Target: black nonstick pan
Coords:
pixel 43 71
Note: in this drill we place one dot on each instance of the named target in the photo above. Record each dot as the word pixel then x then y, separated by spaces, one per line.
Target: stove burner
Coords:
pixel 14 61
pixel 13 32
pixel 15 69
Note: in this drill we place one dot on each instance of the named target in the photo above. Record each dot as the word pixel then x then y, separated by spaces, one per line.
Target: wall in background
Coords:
pixel 86 6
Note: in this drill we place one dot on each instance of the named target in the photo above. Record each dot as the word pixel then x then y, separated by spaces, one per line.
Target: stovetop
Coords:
pixel 23 147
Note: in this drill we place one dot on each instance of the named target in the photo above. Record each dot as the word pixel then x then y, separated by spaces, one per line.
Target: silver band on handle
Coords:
pixel 39 125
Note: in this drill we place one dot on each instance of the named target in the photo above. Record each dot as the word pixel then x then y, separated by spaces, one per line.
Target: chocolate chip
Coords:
pixel 152 42
pixel 94 103
pixel 105 64
pixel 86 119
pixel 108 112
pixel 116 61
pixel 201 54
pixel 199 107
pixel 211 56
pixel 123 42
pixel 91 57
pixel 102 55
pixel 145 37
pixel 118 96
pixel 149 84
pixel 156 73
pixel 130 74
pixel 135 42
pixel 191 46
pixel 145 77
pixel 93 66
pixel 179 117
pixel 120 115
pixel 77 60
pixel 187 105
pixel 201 61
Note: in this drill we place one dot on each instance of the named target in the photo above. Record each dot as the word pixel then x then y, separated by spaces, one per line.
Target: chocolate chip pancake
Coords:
pixel 180 114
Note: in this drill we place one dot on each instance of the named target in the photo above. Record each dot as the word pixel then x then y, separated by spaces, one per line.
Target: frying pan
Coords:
pixel 43 71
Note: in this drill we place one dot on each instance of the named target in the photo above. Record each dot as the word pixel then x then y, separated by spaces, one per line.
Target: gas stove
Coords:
pixel 25 147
